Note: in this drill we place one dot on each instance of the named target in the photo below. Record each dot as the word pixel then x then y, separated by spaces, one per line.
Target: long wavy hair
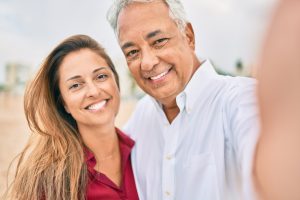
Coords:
pixel 52 165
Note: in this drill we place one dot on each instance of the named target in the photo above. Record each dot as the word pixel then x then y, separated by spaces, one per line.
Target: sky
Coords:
pixel 225 30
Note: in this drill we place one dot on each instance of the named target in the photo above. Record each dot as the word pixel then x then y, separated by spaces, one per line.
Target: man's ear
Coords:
pixel 189 33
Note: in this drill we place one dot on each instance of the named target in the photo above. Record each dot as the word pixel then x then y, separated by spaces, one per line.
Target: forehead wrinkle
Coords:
pixel 148 36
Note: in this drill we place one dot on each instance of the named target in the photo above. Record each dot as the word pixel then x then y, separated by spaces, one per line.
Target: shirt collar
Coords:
pixel 199 82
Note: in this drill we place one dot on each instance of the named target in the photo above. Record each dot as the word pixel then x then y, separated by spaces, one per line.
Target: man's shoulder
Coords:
pixel 142 105
pixel 230 87
pixel 146 102
pixel 238 81
pixel 240 92
pixel 142 114
pixel 237 85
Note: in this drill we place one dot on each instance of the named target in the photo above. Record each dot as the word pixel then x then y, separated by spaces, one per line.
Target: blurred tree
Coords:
pixel 239 67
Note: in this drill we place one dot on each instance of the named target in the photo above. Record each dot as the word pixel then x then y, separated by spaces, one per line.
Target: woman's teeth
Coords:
pixel 97 106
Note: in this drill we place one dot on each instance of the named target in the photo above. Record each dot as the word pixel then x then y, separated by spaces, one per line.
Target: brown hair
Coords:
pixel 55 167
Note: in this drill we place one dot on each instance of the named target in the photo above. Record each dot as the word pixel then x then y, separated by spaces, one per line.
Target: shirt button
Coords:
pixel 169 157
pixel 168 193
pixel 189 110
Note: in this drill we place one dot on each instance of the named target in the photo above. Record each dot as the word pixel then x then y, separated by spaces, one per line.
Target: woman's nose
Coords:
pixel 93 90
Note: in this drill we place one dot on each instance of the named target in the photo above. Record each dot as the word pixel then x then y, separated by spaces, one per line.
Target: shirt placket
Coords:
pixel 169 157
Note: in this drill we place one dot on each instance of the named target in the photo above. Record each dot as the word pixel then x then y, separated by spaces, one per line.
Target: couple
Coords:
pixel 192 137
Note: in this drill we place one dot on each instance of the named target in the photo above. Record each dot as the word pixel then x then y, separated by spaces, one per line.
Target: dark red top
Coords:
pixel 101 187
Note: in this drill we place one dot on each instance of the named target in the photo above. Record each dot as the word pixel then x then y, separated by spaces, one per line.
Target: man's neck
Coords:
pixel 171 110
pixel 169 105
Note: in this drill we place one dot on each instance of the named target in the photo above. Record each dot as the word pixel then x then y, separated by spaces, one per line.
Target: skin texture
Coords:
pixel 155 48
pixel 277 161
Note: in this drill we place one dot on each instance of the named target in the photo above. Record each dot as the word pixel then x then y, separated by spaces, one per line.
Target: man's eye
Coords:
pixel 131 54
pixel 102 77
pixel 160 42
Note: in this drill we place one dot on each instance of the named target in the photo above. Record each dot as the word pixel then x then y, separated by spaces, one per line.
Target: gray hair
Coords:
pixel 176 12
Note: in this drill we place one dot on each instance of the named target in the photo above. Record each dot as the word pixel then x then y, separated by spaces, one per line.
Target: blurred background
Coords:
pixel 228 32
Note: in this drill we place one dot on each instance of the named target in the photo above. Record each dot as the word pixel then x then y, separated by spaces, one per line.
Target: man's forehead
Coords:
pixel 146 36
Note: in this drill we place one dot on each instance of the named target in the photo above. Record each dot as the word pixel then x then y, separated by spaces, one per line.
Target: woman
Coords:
pixel 71 107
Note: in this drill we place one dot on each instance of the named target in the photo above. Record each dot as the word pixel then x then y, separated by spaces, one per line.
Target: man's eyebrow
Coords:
pixel 148 36
pixel 153 34
pixel 127 45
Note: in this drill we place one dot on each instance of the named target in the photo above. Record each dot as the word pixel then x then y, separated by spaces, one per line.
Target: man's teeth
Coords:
pixel 159 76
pixel 97 106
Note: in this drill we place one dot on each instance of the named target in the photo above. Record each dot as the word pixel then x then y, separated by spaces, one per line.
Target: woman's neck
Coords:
pixel 102 141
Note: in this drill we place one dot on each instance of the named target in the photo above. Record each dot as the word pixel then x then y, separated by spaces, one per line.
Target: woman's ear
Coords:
pixel 64 104
pixel 66 109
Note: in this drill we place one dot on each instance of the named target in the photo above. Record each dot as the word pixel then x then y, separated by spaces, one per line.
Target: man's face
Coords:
pixel 159 56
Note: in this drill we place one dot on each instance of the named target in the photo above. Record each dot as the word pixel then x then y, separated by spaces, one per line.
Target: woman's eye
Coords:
pixel 74 86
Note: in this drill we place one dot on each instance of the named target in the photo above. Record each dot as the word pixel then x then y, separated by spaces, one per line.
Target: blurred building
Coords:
pixel 16 76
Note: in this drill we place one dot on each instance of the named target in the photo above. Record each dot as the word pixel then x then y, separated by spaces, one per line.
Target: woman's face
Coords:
pixel 89 89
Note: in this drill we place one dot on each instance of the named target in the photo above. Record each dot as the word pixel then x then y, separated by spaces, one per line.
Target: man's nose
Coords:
pixel 149 59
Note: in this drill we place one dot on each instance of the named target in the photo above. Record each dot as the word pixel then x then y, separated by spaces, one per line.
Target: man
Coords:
pixel 195 131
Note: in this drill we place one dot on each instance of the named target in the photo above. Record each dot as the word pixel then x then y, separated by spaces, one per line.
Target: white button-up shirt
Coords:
pixel 206 152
